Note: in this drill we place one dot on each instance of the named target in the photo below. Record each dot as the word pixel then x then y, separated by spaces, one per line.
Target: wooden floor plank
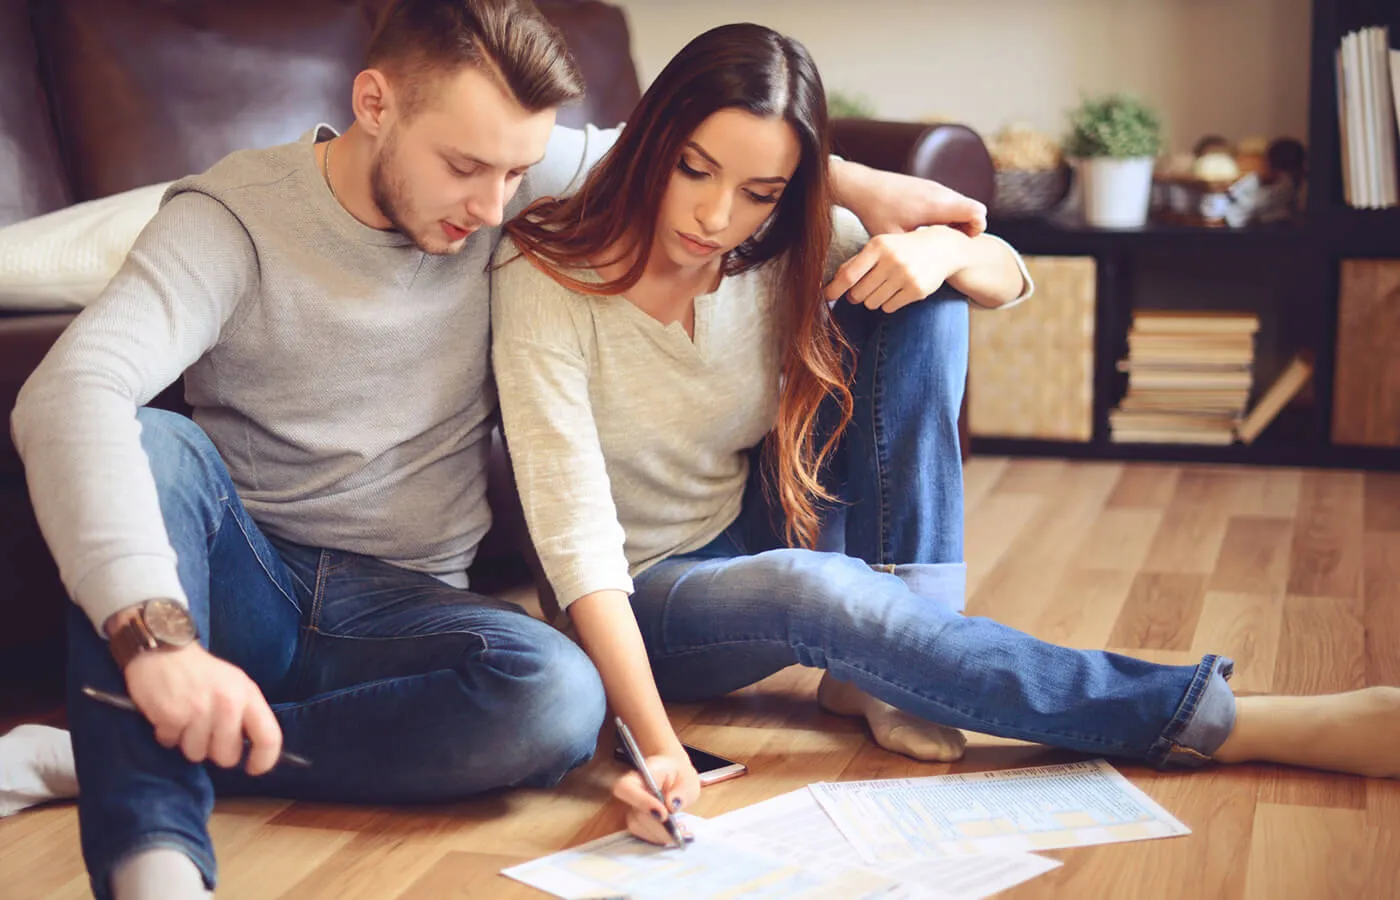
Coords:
pixel 1119 540
pixel 1161 612
pixel 1254 557
pixel 1145 486
pixel 1381 599
pixel 1327 540
pixel 1322 648
pixel 1246 628
pixel 1346 858
pixel 1382 501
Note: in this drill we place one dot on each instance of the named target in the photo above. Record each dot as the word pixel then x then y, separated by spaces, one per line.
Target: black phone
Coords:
pixel 712 767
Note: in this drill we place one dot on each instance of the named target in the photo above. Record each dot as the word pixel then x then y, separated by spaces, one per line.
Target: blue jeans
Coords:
pixel 884 615
pixel 397 687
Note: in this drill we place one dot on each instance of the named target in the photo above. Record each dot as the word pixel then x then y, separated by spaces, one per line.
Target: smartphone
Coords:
pixel 712 768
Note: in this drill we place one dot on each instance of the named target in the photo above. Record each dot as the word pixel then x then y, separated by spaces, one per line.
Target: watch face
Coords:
pixel 169 622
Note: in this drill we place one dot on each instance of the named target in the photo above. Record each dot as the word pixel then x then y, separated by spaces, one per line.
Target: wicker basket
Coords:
pixel 1029 193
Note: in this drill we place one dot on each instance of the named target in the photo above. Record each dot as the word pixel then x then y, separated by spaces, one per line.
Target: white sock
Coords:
pixel 36 765
pixel 894 729
pixel 161 873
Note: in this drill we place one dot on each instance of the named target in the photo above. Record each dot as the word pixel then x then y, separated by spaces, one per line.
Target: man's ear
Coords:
pixel 371 100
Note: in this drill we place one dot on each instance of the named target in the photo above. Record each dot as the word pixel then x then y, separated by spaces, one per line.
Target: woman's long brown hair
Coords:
pixel 613 217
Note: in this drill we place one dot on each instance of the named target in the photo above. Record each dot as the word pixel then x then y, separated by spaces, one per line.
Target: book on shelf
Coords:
pixel 1368 115
pixel 1193 323
pixel 1288 385
pixel 1190 374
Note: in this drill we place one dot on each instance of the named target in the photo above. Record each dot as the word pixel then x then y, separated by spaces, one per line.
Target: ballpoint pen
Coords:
pixel 672 826
pixel 121 702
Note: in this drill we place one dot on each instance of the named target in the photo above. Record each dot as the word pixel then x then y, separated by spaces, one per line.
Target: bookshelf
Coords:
pixel 1289 274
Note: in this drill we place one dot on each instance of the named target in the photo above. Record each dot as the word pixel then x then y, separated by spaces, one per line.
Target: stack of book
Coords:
pixel 1189 377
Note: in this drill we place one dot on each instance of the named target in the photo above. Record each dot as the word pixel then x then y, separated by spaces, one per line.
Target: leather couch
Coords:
pixel 102 96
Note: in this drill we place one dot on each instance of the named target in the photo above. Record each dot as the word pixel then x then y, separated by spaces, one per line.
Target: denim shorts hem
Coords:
pixel 1202 722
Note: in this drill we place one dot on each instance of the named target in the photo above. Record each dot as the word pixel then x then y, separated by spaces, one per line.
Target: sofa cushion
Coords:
pixel 31 168
pixel 62 260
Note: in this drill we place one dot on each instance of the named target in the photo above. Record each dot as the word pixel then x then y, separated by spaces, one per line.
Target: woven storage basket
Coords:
pixel 1029 193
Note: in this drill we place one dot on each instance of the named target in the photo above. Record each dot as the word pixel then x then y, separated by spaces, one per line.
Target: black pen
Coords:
pixel 672 826
pixel 122 702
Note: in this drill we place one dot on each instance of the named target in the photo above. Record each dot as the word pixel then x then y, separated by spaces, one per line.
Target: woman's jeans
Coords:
pixel 396 686
pixel 885 615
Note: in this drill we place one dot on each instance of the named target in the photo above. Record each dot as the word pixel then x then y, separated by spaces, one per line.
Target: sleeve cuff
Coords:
pixel 126 582
pixel 583 584
pixel 1027 283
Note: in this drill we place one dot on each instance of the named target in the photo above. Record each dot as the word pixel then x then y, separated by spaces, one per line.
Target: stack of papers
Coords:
pixel 946 837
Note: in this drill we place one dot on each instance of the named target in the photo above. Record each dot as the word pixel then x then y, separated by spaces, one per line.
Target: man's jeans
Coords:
pixel 396 686
pixel 886 617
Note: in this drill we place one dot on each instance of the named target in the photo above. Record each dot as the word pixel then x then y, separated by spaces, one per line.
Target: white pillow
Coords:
pixel 63 260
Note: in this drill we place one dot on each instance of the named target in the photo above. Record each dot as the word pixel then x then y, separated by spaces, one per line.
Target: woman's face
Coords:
pixel 731 173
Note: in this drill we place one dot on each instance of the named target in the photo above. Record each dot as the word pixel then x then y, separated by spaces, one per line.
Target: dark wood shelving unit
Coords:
pixel 1288 273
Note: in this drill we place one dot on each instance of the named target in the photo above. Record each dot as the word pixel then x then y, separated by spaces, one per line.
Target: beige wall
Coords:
pixel 1235 67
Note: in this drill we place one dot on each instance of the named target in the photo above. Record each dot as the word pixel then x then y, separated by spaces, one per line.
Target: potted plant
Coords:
pixel 1114 140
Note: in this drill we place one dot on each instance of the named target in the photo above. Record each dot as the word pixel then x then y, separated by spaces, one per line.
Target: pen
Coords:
pixel 672 826
pixel 121 702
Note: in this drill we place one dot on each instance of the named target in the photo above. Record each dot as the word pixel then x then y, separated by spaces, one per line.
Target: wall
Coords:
pixel 1234 67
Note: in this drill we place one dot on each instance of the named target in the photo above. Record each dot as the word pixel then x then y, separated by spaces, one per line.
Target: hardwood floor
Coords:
pixel 1296 574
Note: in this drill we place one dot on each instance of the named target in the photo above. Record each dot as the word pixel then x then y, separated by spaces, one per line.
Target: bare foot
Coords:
pixel 894 729
pixel 1356 732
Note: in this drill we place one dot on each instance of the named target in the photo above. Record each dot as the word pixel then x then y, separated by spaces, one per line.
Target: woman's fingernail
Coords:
pixel 675 802
pixel 656 814
pixel 689 837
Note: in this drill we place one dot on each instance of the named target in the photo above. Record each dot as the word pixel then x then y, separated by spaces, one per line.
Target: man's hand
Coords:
pixel 894 270
pixel 892 203
pixel 205 705
pixel 679 783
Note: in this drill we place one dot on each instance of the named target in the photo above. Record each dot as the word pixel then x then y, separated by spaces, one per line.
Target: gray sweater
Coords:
pixel 342 374
pixel 629 439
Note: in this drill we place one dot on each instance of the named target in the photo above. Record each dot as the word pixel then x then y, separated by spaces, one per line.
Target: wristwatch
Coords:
pixel 159 624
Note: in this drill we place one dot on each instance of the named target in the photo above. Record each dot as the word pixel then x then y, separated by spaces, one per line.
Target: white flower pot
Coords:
pixel 1116 192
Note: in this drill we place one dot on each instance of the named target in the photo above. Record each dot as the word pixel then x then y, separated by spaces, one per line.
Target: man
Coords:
pixel 290 565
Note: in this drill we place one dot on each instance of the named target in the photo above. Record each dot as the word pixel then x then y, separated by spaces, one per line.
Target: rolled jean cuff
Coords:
pixel 199 854
pixel 1202 722
pixel 944 583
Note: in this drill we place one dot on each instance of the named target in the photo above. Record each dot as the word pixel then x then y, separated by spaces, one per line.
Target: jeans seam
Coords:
pixel 262 563
pixel 877 441
pixel 318 594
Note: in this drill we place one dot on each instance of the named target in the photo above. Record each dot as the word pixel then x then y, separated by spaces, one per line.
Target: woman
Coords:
pixel 669 317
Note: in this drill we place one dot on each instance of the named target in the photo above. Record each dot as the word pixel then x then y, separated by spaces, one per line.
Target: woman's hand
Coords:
pixel 679 783
pixel 894 270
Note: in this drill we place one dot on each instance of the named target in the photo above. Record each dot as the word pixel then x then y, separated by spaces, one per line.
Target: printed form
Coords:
pixel 1015 810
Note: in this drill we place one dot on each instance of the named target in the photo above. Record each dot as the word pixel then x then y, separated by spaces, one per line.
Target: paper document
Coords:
pixel 991 812
pixel 794 827
pixel 712 867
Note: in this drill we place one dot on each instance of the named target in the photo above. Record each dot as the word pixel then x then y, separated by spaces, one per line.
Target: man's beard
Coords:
pixel 389 193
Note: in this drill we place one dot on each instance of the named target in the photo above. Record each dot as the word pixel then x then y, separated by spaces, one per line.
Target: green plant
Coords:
pixel 1115 125
pixel 847 105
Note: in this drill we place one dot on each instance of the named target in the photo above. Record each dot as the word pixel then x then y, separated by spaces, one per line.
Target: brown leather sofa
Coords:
pixel 102 96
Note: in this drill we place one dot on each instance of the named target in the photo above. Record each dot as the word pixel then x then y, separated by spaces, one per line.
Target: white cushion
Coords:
pixel 63 260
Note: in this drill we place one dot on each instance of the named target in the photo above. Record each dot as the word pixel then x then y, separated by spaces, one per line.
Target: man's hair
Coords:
pixel 418 42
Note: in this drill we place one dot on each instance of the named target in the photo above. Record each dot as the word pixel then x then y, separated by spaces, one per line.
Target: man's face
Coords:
pixel 452 166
